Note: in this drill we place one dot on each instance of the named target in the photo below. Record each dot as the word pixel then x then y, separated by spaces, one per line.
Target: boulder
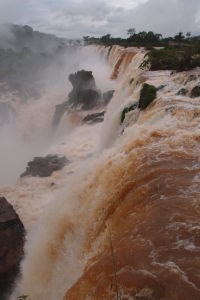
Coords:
pixel 82 80
pixel 107 96
pixel 94 118
pixel 11 246
pixel 84 92
pixel 45 166
pixel 182 92
pixel 195 92
pixel 84 95
pixel 88 99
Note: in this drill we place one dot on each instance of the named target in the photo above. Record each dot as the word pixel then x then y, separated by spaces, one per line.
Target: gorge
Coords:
pixel 121 220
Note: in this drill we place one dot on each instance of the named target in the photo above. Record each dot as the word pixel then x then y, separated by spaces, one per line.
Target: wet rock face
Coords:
pixel 195 92
pixel 45 166
pixel 84 91
pixel 107 96
pixel 82 80
pixel 59 112
pixel 84 95
pixel 11 246
pixel 88 99
pixel 94 118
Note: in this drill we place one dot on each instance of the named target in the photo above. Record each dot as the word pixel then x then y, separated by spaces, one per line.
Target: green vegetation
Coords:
pixel 142 38
pixel 147 95
pixel 126 110
pixel 179 53
pixel 195 91
pixel 146 39
pixel 181 58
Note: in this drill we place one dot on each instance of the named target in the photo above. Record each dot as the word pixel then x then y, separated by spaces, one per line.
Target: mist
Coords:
pixel 32 91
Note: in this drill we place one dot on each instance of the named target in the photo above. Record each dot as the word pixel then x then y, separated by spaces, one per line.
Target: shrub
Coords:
pixel 195 91
pixel 126 110
pixel 173 58
pixel 147 95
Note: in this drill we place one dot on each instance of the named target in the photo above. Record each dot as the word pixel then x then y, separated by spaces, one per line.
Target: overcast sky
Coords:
pixel 77 18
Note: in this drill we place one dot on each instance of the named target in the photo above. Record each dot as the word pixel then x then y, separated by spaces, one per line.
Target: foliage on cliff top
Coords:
pixel 173 58
pixel 180 53
pixel 146 39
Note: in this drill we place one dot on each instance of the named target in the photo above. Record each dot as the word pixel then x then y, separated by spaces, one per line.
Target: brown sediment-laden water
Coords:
pixel 127 224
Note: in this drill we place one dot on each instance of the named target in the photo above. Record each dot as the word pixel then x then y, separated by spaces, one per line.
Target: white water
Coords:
pixel 63 220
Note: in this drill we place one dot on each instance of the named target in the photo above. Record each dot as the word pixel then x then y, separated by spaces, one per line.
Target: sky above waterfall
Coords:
pixel 77 18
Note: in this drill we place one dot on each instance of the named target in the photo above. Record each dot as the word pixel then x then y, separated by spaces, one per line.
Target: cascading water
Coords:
pixel 126 221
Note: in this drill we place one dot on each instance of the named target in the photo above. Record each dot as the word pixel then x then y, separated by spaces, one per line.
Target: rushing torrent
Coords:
pixel 122 220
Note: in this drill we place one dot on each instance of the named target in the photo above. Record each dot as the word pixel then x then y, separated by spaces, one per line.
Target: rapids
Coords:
pixel 122 221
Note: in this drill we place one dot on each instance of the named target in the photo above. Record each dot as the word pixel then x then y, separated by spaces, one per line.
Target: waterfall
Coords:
pixel 134 187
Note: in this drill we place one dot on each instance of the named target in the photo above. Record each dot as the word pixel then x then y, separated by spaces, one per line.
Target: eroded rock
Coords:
pixel 45 166
pixel 11 246
pixel 107 96
pixel 94 118
pixel 84 92
pixel 195 92
pixel 84 95
pixel 59 112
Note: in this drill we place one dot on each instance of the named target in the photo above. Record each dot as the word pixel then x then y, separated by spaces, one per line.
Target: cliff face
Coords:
pixel 11 246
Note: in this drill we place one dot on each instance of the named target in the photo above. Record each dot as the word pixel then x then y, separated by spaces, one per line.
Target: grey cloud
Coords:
pixel 75 18
pixel 12 11
pixel 168 17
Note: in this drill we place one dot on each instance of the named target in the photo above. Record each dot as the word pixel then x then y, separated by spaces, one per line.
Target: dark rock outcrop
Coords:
pixel 82 80
pixel 84 91
pixel 94 118
pixel 59 112
pixel 11 246
pixel 45 166
pixel 84 95
pixel 87 99
pixel 107 96
pixel 195 92
pixel 182 92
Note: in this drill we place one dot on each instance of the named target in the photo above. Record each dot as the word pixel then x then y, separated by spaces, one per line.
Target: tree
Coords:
pixel 86 39
pixel 179 37
pixel 131 31
pixel 188 35
pixel 105 38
